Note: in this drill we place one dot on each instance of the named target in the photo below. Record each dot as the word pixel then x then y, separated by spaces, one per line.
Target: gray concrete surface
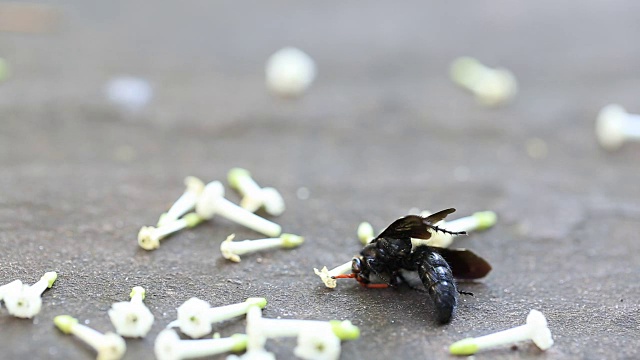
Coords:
pixel 382 130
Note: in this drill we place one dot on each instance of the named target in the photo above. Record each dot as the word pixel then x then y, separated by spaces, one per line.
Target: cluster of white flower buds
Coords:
pixel 25 301
pixel 202 202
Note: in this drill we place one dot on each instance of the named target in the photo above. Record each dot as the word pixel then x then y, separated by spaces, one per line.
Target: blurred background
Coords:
pixel 382 129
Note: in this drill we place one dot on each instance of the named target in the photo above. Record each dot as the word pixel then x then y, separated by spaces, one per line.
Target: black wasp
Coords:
pixel 390 252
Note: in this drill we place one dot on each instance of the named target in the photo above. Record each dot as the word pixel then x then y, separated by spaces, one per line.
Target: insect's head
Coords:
pixel 356 265
pixel 356 269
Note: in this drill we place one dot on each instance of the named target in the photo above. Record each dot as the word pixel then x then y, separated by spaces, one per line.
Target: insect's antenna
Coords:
pixel 456 233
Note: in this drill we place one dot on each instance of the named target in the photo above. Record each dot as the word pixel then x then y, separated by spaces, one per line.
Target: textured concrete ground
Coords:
pixel 382 130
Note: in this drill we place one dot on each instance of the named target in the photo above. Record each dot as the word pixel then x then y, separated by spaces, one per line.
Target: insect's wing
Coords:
pixel 414 226
pixel 440 215
pixel 465 264
pixel 410 226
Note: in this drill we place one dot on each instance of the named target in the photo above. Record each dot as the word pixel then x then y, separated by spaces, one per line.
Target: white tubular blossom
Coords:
pixel 132 318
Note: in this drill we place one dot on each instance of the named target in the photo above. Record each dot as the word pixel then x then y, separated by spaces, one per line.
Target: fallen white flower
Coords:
pixel 25 301
pixel 615 126
pixel 273 202
pixel 535 329
pixel 132 318
pixel 185 203
pixel 365 232
pixel 233 249
pixel 195 316
pixel 491 87
pixel 149 237
pixel 253 196
pixel 212 202
pixel 109 346
pixel 289 72
pixel 131 93
pixel 320 344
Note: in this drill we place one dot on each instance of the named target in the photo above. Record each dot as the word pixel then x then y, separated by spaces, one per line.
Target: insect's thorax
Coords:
pixel 387 254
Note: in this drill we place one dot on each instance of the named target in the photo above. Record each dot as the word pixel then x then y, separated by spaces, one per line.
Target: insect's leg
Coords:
pixel 396 278
pixel 361 280
pixel 364 281
pixel 465 292
pixel 374 286
pixel 388 283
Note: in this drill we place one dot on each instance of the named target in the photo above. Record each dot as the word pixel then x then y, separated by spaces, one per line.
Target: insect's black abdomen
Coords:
pixel 436 276
pixel 445 298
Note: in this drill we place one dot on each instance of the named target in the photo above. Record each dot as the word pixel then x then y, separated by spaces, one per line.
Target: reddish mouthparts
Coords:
pixel 344 276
